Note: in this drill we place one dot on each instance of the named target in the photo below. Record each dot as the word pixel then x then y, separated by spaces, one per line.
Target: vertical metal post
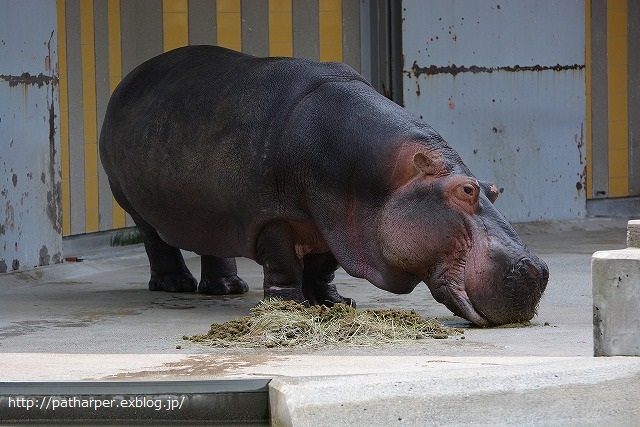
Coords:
pixel 633 65
pixel 381 41
pixel 599 104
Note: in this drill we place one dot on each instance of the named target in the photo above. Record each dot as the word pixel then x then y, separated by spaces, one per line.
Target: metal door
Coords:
pixel 504 83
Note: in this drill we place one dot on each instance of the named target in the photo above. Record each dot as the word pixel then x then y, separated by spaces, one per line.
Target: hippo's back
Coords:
pixel 192 139
pixel 210 91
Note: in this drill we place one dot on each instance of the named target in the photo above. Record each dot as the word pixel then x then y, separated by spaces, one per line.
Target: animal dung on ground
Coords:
pixel 278 323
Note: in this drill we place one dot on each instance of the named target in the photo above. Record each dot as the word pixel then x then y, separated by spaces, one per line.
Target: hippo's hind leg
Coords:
pixel 288 277
pixel 317 285
pixel 168 270
pixel 220 277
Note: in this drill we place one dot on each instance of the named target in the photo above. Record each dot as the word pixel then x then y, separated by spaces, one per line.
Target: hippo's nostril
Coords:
pixel 532 268
pixel 526 268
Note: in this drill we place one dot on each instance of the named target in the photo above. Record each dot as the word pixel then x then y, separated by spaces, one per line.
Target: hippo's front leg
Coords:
pixel 220 277
pixel 318 287
pixel 288 277
pixel 282 268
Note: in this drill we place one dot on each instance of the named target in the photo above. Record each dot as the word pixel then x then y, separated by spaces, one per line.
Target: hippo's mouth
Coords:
pixel 448 288
pixel 527 278
pixel 457 300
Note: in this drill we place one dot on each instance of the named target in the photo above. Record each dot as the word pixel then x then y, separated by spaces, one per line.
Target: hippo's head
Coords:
pixel 441 227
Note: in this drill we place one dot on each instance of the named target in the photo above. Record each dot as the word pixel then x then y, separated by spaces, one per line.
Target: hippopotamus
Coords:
pixel 303 167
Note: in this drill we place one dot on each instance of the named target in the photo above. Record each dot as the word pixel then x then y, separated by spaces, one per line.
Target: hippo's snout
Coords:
pixel 521 290
pixel 526 267
pixel 529 271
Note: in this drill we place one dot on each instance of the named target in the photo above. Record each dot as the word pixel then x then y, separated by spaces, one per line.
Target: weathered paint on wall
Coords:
pixel 30 182
pixel 504 83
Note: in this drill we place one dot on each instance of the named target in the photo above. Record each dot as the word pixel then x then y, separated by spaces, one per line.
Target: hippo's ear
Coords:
pixel 490 190
pixel 424 164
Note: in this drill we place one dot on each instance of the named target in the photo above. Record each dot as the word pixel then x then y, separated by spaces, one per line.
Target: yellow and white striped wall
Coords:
pixel 99 41
pixel 613 100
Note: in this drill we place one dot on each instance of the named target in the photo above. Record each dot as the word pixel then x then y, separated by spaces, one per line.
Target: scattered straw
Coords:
pixel 277 323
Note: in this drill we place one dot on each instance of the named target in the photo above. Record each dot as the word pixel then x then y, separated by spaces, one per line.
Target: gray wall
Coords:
pixel 30 182
pixel 504 84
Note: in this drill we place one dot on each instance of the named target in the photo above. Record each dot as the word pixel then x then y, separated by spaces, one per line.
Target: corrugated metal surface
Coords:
pixel 30 185
pixel 102 40
pixel 504 83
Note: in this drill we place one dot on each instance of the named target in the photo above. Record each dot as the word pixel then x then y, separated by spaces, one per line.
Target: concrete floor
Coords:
pixel 96 320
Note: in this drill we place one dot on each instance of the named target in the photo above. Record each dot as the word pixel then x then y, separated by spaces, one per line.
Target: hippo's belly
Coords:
pixel 223 222
pixel 219 235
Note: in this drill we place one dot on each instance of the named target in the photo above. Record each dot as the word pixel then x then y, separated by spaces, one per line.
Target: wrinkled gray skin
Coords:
pixel 303 166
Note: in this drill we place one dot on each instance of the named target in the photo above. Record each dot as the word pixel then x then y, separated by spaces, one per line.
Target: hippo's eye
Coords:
pixel 466 196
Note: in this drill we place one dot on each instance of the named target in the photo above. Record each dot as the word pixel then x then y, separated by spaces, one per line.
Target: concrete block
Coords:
pixel 615 277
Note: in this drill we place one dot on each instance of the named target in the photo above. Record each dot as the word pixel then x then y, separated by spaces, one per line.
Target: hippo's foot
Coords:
pixel 317 293
pixel 220 277
pixel 323 295
pixel 176 282
pixel 319 290
pixel 285 293
pixel 231 285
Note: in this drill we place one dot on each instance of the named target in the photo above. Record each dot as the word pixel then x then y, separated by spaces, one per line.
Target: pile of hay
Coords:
pixel 277 323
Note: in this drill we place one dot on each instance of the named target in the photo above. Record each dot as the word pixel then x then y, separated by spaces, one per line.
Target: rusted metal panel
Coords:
pixel 504 83
pixel 30 180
